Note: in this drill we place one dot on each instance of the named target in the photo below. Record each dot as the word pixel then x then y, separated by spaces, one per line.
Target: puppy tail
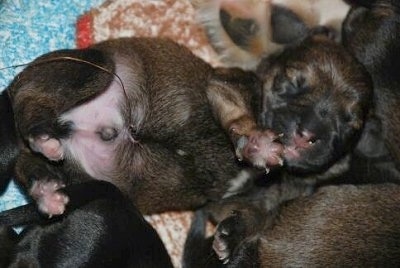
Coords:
pixel 198 250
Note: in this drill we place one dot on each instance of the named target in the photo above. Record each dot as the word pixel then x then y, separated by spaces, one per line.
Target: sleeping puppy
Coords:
pixel 8 141
pixel 316 95
pixel 242 32
pixel 372 33
pixel 136 112
pixel 347 225
pixel 100 228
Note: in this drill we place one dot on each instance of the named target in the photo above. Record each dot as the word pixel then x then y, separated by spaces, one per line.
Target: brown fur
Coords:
pixel 337 226
pixel 180 156
pixel 371 33
pixel 318 96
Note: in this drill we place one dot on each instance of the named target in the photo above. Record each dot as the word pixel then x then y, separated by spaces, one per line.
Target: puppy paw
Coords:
pixel 261 149
pixel 230 232
pixel 49 147
pixel 49 200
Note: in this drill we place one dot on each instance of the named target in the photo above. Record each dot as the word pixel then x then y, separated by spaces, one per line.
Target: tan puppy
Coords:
pixel 244 31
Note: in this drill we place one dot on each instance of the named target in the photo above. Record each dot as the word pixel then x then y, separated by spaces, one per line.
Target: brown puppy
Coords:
pixel 317 96
pixel 338 226
pixel 149 129
pixel 242 32
pixel 372 33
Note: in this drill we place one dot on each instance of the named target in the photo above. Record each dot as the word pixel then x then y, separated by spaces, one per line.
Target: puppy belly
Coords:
pixel 98 127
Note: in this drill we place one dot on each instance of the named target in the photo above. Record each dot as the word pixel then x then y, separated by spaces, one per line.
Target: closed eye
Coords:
pixel 290 89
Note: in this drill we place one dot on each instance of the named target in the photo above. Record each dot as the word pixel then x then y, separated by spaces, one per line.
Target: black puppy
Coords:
pixel 372 33
pixel 338 226
pixel 100 228
pixel 8 141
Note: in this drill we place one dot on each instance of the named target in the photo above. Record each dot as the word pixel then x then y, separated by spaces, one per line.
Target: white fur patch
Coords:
pixel 85 146
pixel 237 183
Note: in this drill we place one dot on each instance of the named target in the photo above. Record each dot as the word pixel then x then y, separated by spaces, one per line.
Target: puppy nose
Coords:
pixel 304 138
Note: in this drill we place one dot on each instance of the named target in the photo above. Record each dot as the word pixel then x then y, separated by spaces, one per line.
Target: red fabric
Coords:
pixel 84 31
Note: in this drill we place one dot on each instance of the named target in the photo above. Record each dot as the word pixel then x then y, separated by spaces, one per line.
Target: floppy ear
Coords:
pixel 55 83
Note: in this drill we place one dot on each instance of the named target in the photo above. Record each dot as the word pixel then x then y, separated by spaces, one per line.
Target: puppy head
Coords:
pixel 316 96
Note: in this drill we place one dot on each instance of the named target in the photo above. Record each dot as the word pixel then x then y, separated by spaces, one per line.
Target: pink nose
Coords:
pixel 303 139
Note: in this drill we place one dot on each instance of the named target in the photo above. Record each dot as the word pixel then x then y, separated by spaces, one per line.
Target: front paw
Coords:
pixel 260 148
pixel 230 232
pixel 49 200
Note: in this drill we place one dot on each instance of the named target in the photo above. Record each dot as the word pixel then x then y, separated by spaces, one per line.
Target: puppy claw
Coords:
pixel 224 232
pixel 267 170
pixel 241 143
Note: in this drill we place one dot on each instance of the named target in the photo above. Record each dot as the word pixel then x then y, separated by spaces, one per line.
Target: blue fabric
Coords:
pixel 27 30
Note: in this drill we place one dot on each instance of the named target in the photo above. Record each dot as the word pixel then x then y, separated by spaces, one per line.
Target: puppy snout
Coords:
pixel 304 138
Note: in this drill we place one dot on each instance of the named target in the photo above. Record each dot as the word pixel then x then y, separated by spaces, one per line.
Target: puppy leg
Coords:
pixel 43 180
pixel 239 229
pixel 229 95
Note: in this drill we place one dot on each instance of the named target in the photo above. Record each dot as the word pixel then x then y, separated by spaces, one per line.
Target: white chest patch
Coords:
pixel 93 124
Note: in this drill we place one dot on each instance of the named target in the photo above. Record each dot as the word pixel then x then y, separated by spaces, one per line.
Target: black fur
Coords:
pixel 8 141
pixel 100 228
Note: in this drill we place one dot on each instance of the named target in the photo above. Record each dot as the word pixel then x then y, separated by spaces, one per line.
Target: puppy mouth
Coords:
pixel 298 143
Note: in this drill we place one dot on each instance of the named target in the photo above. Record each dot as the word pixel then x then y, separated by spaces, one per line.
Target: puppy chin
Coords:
pixel 307 161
